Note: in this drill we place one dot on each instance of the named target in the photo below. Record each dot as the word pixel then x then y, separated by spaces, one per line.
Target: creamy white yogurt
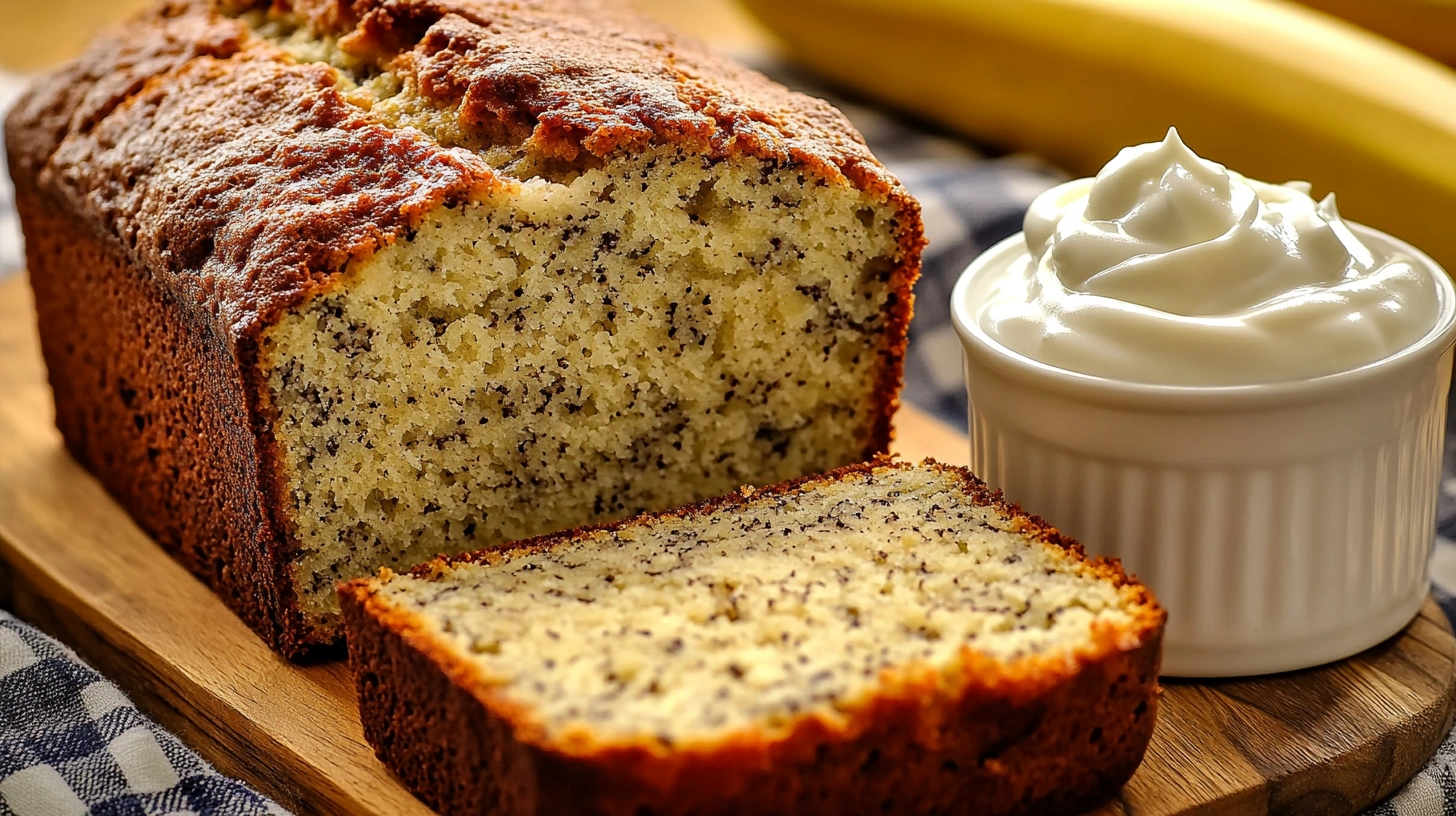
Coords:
pixel 1173 270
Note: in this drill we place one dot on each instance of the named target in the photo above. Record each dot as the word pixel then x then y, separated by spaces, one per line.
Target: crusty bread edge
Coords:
pixel 1078 724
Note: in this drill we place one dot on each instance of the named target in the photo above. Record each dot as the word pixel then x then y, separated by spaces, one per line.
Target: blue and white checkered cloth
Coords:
pixel 70 743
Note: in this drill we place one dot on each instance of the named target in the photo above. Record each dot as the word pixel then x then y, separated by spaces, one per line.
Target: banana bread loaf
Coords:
pixel 882 639
pixel 329 286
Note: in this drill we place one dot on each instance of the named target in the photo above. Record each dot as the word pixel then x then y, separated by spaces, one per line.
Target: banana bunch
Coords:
pixel 1271 89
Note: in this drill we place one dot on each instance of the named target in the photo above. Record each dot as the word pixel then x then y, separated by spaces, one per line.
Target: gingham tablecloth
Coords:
pixel 71 743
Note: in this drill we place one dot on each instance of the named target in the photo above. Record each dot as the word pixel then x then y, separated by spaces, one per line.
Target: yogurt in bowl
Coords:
pixel 1229 387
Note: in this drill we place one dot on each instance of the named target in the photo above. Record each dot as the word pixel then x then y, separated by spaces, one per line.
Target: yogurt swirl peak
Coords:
pixel 1170 269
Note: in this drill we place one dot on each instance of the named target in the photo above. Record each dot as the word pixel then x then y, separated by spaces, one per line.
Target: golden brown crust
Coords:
pixel 571 75
pixel 224 184
pixel 1035 735
pixel 169 437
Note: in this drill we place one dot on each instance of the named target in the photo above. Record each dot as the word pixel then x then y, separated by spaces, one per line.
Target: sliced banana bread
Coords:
pixel 882 639
pixel 328 286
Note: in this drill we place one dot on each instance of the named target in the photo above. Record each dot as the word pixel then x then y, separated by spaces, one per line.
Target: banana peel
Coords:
pixel 1428 26
pixel 1268 88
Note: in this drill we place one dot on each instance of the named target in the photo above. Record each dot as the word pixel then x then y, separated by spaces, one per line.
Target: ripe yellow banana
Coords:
pixel 1428 26
pixel 1269 88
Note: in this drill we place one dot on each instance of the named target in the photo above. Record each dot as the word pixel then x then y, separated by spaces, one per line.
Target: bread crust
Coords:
pixel 1037 735
pixel 222 182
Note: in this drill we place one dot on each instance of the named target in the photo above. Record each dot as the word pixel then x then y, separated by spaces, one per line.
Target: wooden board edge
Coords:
pixel 1438 718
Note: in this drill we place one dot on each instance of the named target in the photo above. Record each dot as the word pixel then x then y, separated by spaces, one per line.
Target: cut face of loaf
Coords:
pixel 652 331
pixel 884 635
pixel 326 287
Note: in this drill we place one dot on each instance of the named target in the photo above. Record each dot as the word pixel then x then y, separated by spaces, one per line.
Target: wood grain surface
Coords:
pixel 1325 741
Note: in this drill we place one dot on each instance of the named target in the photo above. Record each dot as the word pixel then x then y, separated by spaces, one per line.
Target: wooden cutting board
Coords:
pixel 1326 741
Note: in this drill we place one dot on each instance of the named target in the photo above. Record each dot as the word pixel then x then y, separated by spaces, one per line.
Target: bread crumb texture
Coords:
pixel 683 630
pixel 596 338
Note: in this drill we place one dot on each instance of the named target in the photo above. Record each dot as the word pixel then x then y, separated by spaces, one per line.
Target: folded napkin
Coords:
pixel 70 743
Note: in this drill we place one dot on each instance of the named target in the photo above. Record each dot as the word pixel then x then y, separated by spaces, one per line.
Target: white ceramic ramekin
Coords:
pixel 1282 525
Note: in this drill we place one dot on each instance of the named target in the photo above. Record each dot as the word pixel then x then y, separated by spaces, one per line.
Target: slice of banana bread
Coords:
pixel 327 286
pixel 881 639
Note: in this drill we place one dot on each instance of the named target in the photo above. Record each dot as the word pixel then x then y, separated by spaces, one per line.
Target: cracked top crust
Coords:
pixel 248 181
